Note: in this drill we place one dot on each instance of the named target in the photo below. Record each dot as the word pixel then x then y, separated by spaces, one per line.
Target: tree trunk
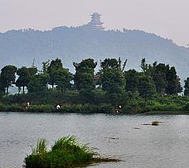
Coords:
pixel 7 90
pixel 53 88
pixel 23 90
pixel 145 101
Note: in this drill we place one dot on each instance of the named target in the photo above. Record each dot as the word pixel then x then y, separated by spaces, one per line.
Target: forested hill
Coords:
pixel 20 47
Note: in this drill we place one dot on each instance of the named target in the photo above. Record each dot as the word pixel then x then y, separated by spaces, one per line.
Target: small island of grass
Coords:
pixel 65 153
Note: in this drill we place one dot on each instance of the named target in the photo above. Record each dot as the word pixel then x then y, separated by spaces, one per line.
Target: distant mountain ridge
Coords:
pixel 20 47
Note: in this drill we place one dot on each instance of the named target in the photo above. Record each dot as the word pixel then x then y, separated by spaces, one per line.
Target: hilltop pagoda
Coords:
pixel 95 22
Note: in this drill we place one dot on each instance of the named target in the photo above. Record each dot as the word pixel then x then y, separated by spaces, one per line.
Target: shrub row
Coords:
pixel 86 108
pixel 12 107
pixel 65 108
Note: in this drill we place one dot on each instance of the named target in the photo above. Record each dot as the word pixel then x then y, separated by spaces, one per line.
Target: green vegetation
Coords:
pixel 65 153
pixel 154 88
pixel 84 79
pixel 155 123
pixel 7 77
pixel 112 79
pixel 25 75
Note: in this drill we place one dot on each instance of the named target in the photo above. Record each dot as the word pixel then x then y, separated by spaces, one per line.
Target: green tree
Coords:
pixel 84 78
pixel 110 63
pixel 23 78
pixel 132 80
pixel 64 80
pixel 32 71
pixel 144 66
pixel 186 87
pixel 25 75
pixel 45 66
pixel 173 82
pixel 2 89
pixel 146 87
pixel 38 84
pixel 8 76
pixel 159 73
pixel 112 79
pixel 54 70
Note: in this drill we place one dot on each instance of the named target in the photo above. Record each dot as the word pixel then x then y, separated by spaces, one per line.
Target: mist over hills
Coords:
pixel 20 47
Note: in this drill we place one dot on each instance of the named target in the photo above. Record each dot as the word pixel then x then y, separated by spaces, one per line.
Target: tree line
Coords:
pixel 111 80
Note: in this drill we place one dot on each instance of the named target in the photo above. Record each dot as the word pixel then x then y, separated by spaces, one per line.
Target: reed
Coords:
pixel 65 153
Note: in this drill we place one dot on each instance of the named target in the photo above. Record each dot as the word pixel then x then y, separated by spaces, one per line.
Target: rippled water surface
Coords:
pixel 124 137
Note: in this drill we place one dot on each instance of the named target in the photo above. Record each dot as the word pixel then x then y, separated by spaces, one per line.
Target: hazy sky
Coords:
pixel 167 18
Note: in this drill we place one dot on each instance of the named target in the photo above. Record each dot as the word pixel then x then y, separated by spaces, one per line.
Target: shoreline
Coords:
pixel 106 113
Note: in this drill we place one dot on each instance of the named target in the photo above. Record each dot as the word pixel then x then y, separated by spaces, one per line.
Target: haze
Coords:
pixel 167 18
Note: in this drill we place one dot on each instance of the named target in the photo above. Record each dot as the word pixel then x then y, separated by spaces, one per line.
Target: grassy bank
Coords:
pixel 158 105
pixel 64 108
pixel 155 105
pixel 100 108
pixel 65 153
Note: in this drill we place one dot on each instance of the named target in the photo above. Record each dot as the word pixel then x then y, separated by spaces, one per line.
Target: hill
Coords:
pixel 20 47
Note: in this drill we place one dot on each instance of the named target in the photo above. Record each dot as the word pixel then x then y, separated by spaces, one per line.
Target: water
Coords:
pixel 123 137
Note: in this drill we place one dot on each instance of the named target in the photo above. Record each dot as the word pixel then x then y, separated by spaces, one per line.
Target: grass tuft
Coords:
pixel 65 153
pixel 155 123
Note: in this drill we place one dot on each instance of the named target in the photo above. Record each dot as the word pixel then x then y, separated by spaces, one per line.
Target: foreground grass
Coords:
pixel 65 153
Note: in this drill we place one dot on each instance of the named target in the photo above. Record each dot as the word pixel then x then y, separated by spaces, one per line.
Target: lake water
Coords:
pixel 124 137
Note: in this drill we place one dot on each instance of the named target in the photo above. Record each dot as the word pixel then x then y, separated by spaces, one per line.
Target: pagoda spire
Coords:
pixel 95 22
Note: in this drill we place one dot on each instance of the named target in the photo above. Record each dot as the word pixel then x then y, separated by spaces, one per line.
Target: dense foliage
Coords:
pixel 54 85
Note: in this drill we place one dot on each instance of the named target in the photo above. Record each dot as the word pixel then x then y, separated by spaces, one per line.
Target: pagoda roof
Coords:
pixel 96 14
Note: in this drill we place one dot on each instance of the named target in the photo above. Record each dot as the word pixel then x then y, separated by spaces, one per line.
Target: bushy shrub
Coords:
pixel 15 108
pixel 133 106
pixel 186 107
pixel 3 107
pixel 86 108
pixel 12 107
pixel 67 108
pixel 41 108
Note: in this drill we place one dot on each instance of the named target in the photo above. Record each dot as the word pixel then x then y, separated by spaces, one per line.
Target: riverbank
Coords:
pixel 73 103
pixel 64 108
pixel 92 109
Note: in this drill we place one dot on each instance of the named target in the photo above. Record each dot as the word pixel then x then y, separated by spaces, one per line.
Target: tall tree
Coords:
pixel 159 73
pixel 64 80
pixel 186 87
pixel 38 84
pixel 146 87
pixel 54 70
pixel 25 75
pixel 8 76
pixel 45 66
pixel 112 79
pixel 132 80
pixel 110 63
pixel 32 71
pixel 144 66
pixel 84 77
pixel 2 89
pixel 173 82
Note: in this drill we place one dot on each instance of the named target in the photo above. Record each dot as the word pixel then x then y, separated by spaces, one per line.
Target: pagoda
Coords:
pixel 95 22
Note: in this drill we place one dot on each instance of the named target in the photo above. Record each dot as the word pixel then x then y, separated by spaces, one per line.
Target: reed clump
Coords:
pixel 65 153
pixel 155 123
